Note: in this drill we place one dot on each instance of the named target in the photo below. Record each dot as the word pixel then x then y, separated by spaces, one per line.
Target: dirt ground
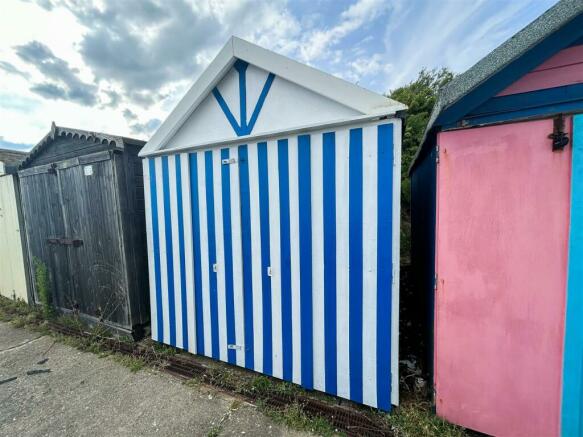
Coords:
pixel 78 393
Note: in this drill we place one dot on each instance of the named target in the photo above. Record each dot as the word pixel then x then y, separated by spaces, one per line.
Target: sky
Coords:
pixel 120 66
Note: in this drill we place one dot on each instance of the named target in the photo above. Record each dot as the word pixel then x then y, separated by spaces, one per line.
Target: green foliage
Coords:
pixel 414 418
pixel 132 362
pixel 420 96
pixel 71 321
pixel 12 309
pixel 294 416
pixel 43 286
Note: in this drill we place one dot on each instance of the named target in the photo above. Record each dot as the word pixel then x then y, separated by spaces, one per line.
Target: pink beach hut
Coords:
pixel 497 211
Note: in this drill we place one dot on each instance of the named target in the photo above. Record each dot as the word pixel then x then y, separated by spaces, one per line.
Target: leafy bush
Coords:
pixel 43 286
pixel 419 95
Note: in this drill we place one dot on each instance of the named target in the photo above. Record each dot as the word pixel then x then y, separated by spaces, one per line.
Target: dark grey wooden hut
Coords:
pixel 83 204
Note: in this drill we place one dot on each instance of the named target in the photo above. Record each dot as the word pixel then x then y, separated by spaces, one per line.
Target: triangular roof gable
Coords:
pixel 239 59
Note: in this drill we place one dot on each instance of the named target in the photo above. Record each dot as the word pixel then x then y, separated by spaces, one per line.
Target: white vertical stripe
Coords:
pixel 220 244
pixel 369 265
pixel 150 242
pixel 342 265
pixel 188 255
pixel 204 256
pixel 275 254
pixel 175 249
pixel 237 259
pixel 294 212
pixel 162 240
pixel 396 255
pixel 318 261
pixel 256 257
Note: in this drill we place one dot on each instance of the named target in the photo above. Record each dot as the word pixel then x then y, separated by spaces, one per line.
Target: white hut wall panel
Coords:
pixel 281 256
pixel 13 281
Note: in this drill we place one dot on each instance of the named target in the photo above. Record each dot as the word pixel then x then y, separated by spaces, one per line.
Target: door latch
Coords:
pixel 65 241
pixel 559 136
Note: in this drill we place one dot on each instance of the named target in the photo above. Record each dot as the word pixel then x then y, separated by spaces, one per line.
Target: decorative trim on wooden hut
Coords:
pixel 82 197
pixel 267 181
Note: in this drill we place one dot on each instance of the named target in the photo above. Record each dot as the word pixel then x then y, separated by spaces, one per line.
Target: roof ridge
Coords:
pixel 57 131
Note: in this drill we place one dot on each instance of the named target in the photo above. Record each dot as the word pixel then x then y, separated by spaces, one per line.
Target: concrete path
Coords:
pixel 91 396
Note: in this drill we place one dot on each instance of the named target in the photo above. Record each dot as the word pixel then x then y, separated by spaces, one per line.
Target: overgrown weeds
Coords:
pixel 415 418
pixel 132 362
pixel 43 286
pixel 294 416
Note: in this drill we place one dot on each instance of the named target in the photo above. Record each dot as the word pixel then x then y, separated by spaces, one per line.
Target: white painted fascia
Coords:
pixel 364 101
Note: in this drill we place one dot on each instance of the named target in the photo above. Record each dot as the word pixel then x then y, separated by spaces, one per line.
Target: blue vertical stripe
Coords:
pixel 156 243
pixel 241 67
pixel 228 241
pixel 355 262
pixel 305 206
pixel 329 197
pixel 285 247
pixel 246 255
pixel 265 257
pixel 180 212
pixel 384 264
pixel 196 252
pixel 169 258
pixel 572 403
pixel 212 252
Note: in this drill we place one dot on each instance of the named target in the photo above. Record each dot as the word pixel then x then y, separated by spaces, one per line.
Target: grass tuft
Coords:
pixel 135 364
pixel 294 416
pixel 415 418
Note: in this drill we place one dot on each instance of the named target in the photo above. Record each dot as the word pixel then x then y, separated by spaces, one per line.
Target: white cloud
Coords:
pixel 142 55
pixel 316 43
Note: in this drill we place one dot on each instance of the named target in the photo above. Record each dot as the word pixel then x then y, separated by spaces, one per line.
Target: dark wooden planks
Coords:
pixel 97 198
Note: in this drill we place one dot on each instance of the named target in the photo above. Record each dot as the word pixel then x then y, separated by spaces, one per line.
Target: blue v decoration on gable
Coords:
pixel 244 127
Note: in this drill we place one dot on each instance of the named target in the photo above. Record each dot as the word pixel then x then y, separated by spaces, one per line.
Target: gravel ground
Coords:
pixel 82 394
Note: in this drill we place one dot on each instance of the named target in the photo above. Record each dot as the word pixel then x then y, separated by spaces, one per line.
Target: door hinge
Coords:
pixel 435 283
pixel 437 154
pixel 559 136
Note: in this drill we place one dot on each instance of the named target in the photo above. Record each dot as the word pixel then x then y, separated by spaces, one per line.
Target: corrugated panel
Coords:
pixel 280 256
pixel 12 271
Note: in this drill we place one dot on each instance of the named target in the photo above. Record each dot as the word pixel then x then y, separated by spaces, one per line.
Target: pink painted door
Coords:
pixel 502 233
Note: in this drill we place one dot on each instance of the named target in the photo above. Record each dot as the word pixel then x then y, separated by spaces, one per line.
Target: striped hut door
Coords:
pixel 278 256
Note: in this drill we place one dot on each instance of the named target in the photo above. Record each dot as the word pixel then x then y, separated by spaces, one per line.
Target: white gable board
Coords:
pixel 287 95
pixel 285 105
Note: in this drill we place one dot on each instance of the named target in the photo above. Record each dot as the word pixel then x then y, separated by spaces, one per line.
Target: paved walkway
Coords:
pixel 87 395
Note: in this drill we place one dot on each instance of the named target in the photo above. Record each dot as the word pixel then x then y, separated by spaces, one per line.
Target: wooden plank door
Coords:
pixel 44 226
pixel 94 240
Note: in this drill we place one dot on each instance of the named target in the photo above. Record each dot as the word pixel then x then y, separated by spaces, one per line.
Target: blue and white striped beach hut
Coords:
pixel 272 203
